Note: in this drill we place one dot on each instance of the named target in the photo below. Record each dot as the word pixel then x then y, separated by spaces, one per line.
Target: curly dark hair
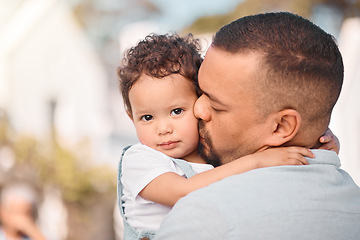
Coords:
pixel 160 56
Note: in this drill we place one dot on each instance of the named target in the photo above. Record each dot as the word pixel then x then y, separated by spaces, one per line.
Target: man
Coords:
pixel 269 80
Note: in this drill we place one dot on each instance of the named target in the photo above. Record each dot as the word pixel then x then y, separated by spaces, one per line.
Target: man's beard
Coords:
pixel 210 156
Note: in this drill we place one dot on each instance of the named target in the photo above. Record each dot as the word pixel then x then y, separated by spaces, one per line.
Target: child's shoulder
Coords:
pixel 140 150
pixel 141 157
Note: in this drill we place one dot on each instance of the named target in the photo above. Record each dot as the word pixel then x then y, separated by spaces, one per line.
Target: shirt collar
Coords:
pixel 324 157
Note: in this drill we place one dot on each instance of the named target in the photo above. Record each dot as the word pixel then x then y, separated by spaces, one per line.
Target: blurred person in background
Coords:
pixel 18 211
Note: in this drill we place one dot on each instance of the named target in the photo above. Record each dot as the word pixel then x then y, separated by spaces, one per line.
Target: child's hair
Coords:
pixel 160 56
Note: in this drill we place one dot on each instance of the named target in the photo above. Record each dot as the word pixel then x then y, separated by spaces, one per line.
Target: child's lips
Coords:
pixel 169 145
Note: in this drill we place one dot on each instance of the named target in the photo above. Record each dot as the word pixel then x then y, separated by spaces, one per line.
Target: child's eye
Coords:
pixel 176 111
pixel 147 118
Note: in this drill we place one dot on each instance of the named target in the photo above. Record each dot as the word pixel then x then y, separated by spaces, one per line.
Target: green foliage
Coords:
pixel 50 164
pixel 209 24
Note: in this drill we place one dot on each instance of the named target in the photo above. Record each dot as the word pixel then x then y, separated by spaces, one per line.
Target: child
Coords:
pixel 159 86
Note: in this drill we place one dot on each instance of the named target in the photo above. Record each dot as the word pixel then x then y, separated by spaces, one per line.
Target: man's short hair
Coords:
pixel 301 66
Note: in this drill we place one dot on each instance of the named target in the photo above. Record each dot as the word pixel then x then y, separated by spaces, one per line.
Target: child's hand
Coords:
pixel 283 156
pixel 329 142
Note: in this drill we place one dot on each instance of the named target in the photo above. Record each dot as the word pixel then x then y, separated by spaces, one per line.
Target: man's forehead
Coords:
pixel 218 57
pixel 227 76
pixel 229 66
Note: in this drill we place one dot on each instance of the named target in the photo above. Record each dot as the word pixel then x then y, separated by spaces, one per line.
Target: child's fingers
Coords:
pixel 300 159
pixel 290 155
pixel 330 148
pixel 325 138
pixel 303 151
pixel 295 160
pixel 332 145
pixel 299 153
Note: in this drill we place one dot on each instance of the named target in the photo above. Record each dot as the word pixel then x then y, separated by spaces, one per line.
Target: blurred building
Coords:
pixel 51 75
pixel 51 79
pixel 345 122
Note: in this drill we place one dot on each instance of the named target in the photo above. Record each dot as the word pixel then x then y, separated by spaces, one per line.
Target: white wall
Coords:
pixel 48 57
pixel 345 122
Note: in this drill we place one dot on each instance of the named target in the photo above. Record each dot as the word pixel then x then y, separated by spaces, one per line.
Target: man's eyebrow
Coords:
pixel 213 98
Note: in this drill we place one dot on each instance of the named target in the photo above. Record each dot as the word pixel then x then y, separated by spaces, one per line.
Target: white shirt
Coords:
pixel 140 165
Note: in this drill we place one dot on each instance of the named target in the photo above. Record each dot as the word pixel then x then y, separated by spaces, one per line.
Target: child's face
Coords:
pixel 162 112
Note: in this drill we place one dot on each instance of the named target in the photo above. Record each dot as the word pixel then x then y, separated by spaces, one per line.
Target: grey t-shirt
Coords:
pixel 316 201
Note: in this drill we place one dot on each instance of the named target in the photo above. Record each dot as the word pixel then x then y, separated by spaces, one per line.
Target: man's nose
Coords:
pixel 201 109
pixel 164 127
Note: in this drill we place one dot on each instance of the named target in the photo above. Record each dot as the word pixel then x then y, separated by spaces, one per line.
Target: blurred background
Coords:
pixel 62 121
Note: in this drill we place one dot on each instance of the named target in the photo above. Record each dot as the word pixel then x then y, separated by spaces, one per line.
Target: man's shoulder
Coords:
pixel 282 185
pixel 218 193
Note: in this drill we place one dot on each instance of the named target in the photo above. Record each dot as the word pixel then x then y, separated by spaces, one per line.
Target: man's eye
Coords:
pixel 176 111
pixel 147 118
pixel 216 110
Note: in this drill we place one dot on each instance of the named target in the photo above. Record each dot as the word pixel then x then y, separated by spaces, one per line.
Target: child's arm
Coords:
pixel 169 187
pixel 329 142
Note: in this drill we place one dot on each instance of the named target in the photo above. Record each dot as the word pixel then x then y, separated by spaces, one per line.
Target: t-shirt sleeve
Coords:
pixel 140 165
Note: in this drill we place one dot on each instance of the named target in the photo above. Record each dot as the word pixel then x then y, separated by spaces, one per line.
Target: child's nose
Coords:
pixel 164 127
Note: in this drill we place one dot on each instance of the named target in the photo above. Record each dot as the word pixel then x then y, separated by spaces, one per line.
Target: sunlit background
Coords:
pixel 62 122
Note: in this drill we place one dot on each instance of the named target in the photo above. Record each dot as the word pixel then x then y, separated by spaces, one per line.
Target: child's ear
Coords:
pixel 284 126
pixel 129 114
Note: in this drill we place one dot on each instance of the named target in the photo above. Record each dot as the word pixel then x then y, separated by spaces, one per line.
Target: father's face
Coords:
pixel 230 127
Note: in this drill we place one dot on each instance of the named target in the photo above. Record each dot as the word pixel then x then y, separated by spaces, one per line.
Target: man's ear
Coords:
pixel 284 125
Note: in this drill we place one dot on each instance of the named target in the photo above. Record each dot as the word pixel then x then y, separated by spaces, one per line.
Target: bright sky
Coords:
pixel 178 14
